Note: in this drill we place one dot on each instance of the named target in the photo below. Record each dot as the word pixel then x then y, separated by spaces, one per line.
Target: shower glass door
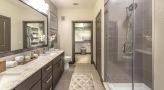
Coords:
pixel 119 40
pixel 128 44
pixel 142 48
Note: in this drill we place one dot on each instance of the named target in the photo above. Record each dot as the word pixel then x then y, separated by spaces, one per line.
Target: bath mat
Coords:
pixel 82 81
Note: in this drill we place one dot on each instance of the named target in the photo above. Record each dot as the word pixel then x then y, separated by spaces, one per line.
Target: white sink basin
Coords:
pixel 49 53
pixel 53 53
pixel 7 77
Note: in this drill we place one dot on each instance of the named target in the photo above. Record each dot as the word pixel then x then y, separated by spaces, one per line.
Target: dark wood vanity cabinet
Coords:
pixel 47 69
pixel 58 69
pixel 47 82
pixel 56 74
pixel 37 86
pixel 32 83
pixel 46 78
pixel 62 65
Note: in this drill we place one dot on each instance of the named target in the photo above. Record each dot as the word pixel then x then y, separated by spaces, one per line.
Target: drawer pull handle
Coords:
pixel 48 68
pixel 51 88
pixel 49 80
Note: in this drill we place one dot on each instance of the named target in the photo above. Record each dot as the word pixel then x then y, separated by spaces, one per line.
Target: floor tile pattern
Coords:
pixel 83 68
pixel 82 81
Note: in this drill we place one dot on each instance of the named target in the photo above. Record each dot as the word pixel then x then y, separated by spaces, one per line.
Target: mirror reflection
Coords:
pixel 21 27
pixel 34 34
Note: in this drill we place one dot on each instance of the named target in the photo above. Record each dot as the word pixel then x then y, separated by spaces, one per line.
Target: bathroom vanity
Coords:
pixel 40 74
pixel 25 29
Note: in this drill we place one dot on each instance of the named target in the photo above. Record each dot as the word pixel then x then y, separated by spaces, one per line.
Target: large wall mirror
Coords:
pixel 21 27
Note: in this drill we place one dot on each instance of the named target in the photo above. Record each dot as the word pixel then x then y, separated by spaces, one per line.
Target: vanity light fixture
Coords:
pixel 39 5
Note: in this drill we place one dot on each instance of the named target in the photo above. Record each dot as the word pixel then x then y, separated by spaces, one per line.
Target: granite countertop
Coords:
pixel 22 72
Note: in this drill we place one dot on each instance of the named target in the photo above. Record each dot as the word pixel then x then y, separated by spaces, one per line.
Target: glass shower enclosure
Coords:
pixel 128 44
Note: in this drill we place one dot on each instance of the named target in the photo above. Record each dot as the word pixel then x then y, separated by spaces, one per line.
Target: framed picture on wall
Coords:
pixel 53 21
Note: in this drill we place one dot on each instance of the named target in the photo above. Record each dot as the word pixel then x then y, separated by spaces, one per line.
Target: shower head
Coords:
pixel 132 7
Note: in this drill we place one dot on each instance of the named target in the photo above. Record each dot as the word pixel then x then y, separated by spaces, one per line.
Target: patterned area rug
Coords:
pixel 82 81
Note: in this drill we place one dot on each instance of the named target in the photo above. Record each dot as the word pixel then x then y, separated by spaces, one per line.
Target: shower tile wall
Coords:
pixel 143 42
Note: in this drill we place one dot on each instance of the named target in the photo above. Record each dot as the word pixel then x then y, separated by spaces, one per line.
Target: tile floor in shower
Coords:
pixel 125 86
pixel 65 80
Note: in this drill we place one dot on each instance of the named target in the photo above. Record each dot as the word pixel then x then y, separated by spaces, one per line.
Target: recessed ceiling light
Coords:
pixel 75 3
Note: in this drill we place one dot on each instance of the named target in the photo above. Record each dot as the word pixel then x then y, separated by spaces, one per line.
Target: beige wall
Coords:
pixel 16 38
pixel 159 45
pixel 52 9
pixel 99 6
pixel 65 27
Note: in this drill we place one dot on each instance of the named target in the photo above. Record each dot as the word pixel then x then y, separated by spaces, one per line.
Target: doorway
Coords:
pixel 98 43
pixel 82 42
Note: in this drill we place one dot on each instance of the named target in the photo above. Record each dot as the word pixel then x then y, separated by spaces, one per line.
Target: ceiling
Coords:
pixel 68 4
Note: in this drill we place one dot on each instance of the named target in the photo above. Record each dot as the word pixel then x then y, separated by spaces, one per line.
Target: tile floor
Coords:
pixel 82 58
pixel 79 68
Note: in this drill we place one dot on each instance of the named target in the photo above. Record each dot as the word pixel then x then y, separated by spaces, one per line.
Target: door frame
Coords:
pixel 98 15
pixel 73 40
pixel 9 46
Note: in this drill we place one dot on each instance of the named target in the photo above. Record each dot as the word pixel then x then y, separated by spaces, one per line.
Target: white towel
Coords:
pixel 11 64
pixel 19 59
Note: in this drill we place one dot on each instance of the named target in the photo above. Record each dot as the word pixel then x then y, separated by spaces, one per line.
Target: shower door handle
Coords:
pixel 126 46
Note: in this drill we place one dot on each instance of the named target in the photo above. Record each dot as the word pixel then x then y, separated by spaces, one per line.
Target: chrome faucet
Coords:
pixel 44 51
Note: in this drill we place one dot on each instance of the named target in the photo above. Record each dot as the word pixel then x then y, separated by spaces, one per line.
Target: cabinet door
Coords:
pixel 5 33
pixel 61 66
pixel 30 82
pixel 37 86
pixel 56 74
pixel 47 83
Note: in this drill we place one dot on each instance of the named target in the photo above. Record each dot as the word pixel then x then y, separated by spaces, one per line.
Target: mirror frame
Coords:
pixel 7 53
pixel 25 33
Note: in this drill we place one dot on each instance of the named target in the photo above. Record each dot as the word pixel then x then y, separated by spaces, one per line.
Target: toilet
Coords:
pixel 67 59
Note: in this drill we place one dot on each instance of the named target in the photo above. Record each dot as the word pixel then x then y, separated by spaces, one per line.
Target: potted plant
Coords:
pixel 51 40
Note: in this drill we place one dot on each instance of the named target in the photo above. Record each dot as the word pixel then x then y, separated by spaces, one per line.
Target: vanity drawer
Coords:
pixel 58 58
pixel 30 82
pixel 37 86
pixel 47 82
pixel 46 70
